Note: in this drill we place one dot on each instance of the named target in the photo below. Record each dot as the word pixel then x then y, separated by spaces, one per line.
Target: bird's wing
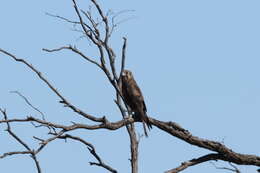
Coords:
pixel 135 91
pixel 136 94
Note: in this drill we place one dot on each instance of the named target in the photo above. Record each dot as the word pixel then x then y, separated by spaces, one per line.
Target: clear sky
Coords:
pixel 197 63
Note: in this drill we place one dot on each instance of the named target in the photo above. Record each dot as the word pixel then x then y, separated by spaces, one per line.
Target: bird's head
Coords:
pixel 127 74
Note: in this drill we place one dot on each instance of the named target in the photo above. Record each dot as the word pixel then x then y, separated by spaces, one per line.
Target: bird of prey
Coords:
pixel 134 99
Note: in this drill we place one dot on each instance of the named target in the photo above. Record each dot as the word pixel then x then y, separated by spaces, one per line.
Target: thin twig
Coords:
pixel 93 23
pixel 87 29
pixel 104 19
pixel 45 142
pixel 14 153
pixel 74 49
pixel 115 24
pixel 63 18
pixel 236 170
pixel 28 102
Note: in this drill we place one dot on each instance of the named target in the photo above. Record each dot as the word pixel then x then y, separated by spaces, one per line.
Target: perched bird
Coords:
pixel 134 99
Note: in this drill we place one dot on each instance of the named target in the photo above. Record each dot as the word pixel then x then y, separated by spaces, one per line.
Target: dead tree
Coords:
pixel 98 32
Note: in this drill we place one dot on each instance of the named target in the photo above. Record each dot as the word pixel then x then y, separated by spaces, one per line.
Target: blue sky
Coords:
pixel 197 63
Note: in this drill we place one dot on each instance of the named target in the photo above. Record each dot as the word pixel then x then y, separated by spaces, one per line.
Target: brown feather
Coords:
pixel 134 99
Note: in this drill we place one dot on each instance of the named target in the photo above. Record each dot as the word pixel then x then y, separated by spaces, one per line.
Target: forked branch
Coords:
pixel 21 142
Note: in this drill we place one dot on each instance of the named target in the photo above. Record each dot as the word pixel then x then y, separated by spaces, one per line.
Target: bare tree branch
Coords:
pixel 134 149
pixel 111 56
pixel 63 18
pixel 74 49
pixel 106 125
pixel 92 150
pixel 97 41
pixel 235 169
pixel 104 19
pixel 86 28
pixel 193 162
pixel 115 24
pixel 123 58
pixel 223 153
pixel 93 23
pixel 28 102
pixel 64 101
pixel 14 153
pixel 45 142
pixel 29 150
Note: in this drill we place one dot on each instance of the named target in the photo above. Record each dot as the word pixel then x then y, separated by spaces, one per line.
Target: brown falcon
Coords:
pixel 134 99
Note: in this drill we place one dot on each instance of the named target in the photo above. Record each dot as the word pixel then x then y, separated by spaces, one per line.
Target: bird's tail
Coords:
pixel 142 117
pixel 148 124
pixel 145 131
